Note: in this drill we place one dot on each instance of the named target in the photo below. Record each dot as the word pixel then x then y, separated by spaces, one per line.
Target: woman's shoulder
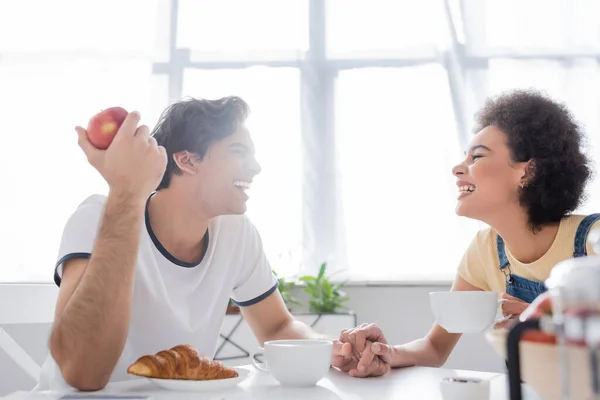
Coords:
pixel 480 260
pixel 572 222
pixel 486 238
pixel 571 225
pixel 484 245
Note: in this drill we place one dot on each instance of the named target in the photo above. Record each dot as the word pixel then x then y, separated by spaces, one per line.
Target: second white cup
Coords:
pixel 296 362
pixel 465 311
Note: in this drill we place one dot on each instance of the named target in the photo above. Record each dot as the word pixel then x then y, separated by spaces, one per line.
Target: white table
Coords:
pixel 406 383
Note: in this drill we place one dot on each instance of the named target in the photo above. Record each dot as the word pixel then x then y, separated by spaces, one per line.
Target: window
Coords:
pixel 559 57
pixel 543 24
pixel 359 109
pixel 70 25
pixel 273 94
pixel 363 28
pixel 397 143
pixel 241 27
pixel 51 80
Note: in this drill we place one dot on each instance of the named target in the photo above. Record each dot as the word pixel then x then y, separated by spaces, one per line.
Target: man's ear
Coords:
pixel 529 174
pixel 186 162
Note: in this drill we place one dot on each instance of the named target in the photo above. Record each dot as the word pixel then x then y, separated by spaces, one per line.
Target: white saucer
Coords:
pixel 201 386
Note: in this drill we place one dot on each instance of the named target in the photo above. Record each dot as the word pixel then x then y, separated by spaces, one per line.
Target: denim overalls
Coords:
pixel 527 289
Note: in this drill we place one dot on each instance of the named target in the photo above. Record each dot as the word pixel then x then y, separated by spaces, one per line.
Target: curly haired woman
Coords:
pixel 524 173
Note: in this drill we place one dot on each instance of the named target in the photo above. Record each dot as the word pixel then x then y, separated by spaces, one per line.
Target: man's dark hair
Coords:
pixel 543 131
pixel 194 125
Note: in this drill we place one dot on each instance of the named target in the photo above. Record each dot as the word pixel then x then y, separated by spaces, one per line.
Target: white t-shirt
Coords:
pixel 174 302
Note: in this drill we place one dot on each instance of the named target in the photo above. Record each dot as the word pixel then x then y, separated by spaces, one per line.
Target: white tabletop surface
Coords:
pixel 406 383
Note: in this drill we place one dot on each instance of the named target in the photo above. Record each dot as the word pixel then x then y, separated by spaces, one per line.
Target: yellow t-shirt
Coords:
pixel 480 265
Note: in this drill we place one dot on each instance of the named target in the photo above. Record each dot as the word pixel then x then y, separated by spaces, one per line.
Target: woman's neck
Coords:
pixel 523 243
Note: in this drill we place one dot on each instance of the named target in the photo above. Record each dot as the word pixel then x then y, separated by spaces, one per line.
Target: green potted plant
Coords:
pixel 285 288
pixel 325 297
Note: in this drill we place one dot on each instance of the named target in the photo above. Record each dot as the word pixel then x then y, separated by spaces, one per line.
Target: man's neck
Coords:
pixel 179 224
pixel 524 244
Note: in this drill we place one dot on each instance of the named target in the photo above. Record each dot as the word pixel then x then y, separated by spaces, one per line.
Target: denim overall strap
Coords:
pixel 517 286
pixel 501 253
pixel 582 233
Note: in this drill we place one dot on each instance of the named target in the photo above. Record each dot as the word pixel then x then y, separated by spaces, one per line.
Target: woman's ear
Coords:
pixel 529 174
pixel 186 162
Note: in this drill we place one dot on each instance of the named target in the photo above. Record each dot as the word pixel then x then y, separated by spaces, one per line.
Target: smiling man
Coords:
pixel 153 264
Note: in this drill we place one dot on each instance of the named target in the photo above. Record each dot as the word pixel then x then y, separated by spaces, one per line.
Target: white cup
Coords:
pixel 465 311
pixel 457 388
pixel 296 362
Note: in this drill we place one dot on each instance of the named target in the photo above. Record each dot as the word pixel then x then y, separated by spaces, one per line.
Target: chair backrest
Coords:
pixel 25 304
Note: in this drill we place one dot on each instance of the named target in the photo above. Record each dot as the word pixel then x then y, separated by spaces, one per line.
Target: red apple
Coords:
pixel 104 125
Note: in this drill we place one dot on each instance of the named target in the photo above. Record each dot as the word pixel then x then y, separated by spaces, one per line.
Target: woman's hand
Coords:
pixel 512 307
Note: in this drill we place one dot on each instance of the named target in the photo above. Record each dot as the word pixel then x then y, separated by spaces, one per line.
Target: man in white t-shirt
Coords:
pixel 154 264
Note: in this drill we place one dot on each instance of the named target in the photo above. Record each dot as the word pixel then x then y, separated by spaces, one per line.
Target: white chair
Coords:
pixel 25 304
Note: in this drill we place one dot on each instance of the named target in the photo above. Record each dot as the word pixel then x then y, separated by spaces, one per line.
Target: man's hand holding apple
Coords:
pixel 129 159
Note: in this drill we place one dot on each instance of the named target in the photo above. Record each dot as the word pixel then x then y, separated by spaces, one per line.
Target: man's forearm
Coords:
pixel 89 335
pixel 294 329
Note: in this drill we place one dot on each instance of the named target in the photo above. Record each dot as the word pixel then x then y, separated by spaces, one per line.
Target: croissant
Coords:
pixel 180 362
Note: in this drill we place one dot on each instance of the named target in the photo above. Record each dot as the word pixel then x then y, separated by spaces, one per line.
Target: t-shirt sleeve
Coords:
pixel 255 281
pixel 471 267
pixel 79 233
pixel 589 245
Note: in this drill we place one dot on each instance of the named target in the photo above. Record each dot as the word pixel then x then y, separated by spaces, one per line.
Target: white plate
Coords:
pixel 200 386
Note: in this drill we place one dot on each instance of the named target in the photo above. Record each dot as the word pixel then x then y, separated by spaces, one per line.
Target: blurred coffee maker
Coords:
pixel 574 287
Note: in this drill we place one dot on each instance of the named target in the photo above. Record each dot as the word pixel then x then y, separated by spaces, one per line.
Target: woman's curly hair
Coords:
pixel 543 131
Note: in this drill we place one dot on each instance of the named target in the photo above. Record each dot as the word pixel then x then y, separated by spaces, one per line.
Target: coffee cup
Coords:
pixel 465 311
pixel 296 362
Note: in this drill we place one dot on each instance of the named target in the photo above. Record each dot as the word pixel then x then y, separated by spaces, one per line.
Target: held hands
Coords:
pixel 366 351
pixel 133 165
